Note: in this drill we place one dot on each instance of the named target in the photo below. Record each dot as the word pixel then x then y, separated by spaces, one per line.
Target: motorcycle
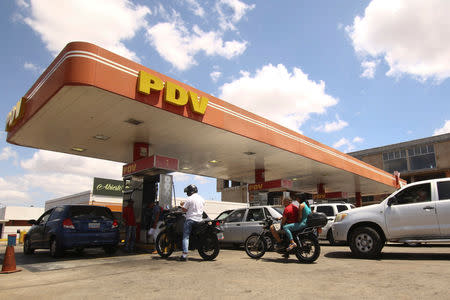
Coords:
pixel 204 237
pixel 307 250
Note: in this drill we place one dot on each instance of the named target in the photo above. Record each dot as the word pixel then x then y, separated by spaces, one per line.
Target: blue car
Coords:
pixel 73 227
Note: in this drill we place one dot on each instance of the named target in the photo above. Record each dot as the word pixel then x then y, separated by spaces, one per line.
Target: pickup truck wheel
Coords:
pixel 330 237
pixel 365 242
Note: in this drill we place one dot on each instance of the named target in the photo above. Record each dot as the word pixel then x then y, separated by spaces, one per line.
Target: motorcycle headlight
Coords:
pixel 340 217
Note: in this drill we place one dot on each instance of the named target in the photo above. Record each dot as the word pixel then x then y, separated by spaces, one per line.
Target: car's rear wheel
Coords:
pixel 55 248
pixel 365 242
pixel 27 247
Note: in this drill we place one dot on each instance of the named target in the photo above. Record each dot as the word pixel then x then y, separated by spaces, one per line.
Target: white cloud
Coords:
pixel 22 3
pixel 44 162
pixel 443 129
pixel 215 75
pixel 176 44
pixel 346 145
pixel 32 67
pixel 107 23
pixel 369 67
pixel 276 94
pixel 238 10
pixel 410 35
pixel 332 126
pixel 13 192
pixel 195 8
pixel 7 153
pixel 358 139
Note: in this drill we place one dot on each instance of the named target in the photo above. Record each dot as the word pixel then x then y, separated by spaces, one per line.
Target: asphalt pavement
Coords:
pixel 401 273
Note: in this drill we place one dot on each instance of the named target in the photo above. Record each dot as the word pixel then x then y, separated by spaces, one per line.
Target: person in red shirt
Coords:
pixel 290 215
pixel 130 225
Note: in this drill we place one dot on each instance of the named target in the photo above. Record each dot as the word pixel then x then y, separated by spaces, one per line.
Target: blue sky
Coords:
pixel 350 74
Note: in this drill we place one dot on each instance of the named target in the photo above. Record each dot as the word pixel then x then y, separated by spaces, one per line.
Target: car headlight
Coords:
pixel 340 217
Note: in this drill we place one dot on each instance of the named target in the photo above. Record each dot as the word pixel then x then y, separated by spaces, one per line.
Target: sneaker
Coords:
pixel 154 252
pixel 291 246
pixel 182 258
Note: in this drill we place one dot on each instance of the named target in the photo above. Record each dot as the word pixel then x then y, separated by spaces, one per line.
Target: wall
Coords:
pixel 80 198
pixel 375 160
pixel 214 208
pixel 20 214
pixel 442 151
pixel 236 194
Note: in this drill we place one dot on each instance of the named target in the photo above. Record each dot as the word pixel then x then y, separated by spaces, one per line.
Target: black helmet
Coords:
pixel 190 189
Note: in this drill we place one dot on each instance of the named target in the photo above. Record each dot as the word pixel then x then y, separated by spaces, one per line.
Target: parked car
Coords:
pixel 240 223
pixel 223 215
pixel 73 227
pixel 331 210
pixel 417 213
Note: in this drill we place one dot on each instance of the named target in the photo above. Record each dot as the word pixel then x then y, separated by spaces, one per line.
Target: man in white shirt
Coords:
pixel 194 211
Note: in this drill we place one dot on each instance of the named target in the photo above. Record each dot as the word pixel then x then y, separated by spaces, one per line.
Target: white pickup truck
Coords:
pixel 417 213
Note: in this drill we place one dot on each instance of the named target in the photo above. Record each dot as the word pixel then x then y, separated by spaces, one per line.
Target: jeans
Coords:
pixel 130 238
pixel 187 229
pixel 293 227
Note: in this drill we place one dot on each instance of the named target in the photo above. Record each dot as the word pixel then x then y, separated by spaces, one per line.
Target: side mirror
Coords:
pixel 32 222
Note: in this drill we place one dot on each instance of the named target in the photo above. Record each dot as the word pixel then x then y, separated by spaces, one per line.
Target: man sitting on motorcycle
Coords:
pixel 290 216
pixel 303 212
pixel 193 207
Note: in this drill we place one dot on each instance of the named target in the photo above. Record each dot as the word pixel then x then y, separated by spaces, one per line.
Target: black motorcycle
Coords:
pixel 308 248
pixel 204 237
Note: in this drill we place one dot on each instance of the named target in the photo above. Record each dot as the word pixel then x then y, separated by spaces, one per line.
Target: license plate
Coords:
pixel 94 225
pixel 220 236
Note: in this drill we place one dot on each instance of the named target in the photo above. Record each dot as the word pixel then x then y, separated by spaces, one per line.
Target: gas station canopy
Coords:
pixel 94 103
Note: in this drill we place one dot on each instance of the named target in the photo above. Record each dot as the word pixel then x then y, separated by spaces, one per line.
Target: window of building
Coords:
pixel 422 157
pixel 395 161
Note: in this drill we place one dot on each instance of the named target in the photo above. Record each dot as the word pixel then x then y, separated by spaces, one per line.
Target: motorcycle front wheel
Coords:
pixel 164 246
pixel 209 247
pixel 255 245
pixel 309 250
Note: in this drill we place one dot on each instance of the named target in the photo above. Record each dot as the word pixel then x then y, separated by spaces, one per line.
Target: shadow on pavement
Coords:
pixel 43 256
pixel 393 256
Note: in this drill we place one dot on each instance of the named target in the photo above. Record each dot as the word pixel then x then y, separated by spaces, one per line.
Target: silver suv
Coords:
pixel 331 210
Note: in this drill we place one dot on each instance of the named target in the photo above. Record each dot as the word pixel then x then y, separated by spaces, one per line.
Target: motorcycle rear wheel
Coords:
pixel 255 246
pixel 209 247
pixel 164 246
pixel 310 250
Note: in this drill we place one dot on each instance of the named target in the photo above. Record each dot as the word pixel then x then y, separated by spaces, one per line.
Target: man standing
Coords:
pixel 130 225
pixel 193 207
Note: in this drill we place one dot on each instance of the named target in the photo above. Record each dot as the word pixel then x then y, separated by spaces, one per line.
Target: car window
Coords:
pixel 223 215
pixel 278 209
pixel 414 194
pixel 326 209
pixel 444 190
pixel 43 219
pixel 255 214
pixel 236 216
pixel 56 213
pixel 90 212
pixel 342 208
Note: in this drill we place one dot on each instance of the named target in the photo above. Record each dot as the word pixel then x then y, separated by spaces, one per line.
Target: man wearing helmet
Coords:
pixel 193 207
